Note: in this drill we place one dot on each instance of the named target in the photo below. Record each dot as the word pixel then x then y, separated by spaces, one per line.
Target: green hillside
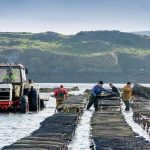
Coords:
pixel 112 56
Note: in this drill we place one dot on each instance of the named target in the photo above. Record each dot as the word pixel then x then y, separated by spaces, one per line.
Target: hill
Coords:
pixel 147 33
pixel 111 56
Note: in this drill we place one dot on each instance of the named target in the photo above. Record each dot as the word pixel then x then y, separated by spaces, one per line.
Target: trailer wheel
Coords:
pixel 42 104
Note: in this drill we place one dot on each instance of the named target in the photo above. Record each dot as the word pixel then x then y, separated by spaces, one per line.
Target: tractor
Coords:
pixel 13 97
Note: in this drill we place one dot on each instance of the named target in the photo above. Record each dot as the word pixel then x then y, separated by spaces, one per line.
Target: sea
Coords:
pixel 14 126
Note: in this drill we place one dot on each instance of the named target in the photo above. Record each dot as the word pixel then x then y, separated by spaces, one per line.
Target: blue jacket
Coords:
pixel 98 90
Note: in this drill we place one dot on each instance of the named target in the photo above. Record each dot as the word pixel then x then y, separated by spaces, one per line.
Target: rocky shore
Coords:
pixel 48 90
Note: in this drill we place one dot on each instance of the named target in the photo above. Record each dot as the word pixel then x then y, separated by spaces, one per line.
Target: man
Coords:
pixel 126 95
pixel 27 86
pixel 97 90
pixel 115 90
pixel 9 76
pixel 60 94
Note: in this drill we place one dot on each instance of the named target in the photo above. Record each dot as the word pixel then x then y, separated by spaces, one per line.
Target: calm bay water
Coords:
pixel 16 126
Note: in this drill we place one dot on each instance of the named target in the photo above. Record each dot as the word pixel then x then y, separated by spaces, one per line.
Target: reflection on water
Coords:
pixel 16 126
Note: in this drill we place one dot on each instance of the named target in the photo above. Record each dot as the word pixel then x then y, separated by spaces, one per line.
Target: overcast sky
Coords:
pixel 72 16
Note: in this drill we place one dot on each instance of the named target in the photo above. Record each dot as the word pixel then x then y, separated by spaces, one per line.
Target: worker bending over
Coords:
pixel 60 94
pixel 96 91
pixel 115 90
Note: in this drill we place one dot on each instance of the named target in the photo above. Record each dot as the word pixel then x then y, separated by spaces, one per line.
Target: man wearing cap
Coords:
pixel 60 94
pixel 97 90
pixel 115 90
pixel 126 95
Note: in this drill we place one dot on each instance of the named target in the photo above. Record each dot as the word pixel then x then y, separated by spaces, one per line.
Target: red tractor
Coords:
pixel 12 90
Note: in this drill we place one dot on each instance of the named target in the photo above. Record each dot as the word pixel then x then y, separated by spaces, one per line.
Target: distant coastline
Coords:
pixel 85 57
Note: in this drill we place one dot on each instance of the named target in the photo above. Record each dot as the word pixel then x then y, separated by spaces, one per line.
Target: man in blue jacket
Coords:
pixel 97 90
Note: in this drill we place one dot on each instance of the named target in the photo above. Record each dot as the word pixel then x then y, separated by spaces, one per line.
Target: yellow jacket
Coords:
pixel 126 93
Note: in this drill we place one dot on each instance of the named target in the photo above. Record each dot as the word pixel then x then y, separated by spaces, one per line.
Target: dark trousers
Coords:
pixel 127 104
pixel 92 100
pixel 26 91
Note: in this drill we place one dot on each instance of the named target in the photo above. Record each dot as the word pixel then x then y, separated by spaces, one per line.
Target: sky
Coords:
pixel 72 16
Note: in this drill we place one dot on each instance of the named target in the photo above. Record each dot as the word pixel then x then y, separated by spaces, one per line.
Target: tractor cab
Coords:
pixel 12 79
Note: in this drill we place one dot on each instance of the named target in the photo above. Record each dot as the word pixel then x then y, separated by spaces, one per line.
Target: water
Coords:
pixel 135 126
pixel 82 140
pixel 16 126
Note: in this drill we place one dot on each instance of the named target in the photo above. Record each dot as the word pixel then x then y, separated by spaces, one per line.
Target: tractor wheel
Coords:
pixel 24 105
pixel 33 100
